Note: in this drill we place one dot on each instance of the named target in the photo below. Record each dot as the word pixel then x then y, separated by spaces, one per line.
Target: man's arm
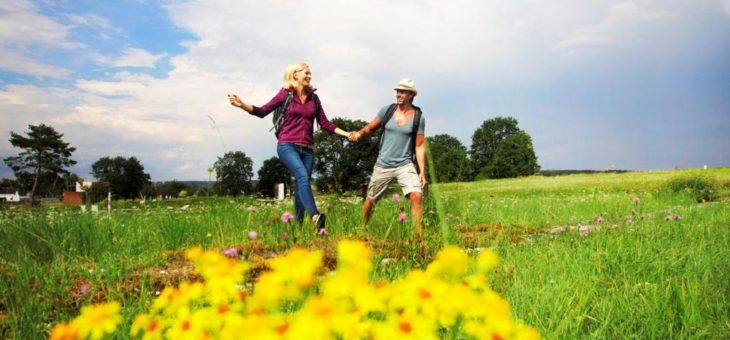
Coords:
pixel 421 158
pixel 366 130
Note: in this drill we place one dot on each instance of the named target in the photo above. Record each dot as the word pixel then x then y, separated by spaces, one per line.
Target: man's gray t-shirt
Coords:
pixel 396 150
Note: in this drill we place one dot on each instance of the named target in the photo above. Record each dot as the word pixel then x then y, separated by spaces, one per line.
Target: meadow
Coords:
pixel 582 256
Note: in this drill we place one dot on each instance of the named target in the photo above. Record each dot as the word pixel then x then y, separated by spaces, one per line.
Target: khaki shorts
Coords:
pixel 405 174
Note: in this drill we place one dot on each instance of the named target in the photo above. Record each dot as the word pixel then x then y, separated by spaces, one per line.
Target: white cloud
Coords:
pixel 618 27
pixel 20 63
pixel 20 24
pixel 95 22
pixel 110 88
pixel 135 57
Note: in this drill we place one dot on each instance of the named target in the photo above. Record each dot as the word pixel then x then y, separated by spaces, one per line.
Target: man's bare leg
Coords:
pixel 367 210
pixel 417 211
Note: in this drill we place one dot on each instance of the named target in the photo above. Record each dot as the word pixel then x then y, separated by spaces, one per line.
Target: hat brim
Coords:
pixel 406 89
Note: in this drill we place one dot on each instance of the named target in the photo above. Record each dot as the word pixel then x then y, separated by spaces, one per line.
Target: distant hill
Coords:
pixel 199 184
pixel 584 171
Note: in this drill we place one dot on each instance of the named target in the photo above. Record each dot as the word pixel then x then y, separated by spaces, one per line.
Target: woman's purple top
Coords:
pixel 298 124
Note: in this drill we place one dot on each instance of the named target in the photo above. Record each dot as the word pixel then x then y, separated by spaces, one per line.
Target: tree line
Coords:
pixel 499 149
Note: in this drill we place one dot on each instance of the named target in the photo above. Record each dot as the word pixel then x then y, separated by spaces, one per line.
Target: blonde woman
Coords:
pixel 295 137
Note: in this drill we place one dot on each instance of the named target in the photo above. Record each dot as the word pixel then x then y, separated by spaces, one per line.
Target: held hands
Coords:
pixel 354 136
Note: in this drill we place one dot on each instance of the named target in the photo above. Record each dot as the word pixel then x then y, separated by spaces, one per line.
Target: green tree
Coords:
pixel 487 142
pixel 45 155
pixel 271 172
pixel 97 192
pixel 514 157
pixel 9 184
pixel 174 188
pixel 341 165
pixel 486 138
pixel 233 173
pixel 449 157
pixel 126 176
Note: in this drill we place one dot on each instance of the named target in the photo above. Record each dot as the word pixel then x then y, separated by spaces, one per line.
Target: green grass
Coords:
pixel 635 275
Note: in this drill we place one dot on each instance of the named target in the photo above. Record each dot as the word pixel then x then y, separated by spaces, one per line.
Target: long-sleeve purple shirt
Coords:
pixel 298 124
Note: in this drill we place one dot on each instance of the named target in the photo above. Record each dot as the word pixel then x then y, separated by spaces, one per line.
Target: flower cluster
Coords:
pixel 94 322
pixel 292 302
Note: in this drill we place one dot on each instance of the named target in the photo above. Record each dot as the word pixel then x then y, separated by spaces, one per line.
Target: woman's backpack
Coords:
pixel 280 112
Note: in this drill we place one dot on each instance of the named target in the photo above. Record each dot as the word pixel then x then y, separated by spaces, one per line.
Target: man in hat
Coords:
pixel 402 142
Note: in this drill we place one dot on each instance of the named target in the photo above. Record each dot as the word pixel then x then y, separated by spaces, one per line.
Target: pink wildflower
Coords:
pixel 252 234
pixel 322 231
pixel 286 217
pixel 252 209
pixel 396 198
pixel 231 252
pixel 84 288
pixel 637 200
pixel 402 218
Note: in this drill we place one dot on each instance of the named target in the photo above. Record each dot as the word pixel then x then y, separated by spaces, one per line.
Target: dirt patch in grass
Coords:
pixel 176 269
pixel 484 234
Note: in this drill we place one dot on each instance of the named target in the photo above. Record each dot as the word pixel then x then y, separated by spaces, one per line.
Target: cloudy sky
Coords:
pixel 597 84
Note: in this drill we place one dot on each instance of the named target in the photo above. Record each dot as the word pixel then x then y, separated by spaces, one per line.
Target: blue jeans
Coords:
pixel 299 160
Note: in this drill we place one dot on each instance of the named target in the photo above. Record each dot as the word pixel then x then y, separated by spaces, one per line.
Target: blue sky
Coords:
pixel 602 84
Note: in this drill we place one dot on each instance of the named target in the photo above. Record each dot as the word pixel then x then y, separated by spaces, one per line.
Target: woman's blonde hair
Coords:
pixel 289 81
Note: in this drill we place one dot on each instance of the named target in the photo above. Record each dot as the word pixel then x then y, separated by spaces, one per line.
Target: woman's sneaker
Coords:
pixel 321 224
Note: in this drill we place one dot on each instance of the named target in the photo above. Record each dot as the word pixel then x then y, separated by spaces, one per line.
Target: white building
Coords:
pixel 10 197
pixel 81 185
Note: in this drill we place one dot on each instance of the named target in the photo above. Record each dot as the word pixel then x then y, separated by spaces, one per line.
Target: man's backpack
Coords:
pixel 280 111
pixel 414 133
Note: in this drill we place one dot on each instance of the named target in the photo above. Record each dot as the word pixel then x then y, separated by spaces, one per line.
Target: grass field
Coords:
pixel 582 256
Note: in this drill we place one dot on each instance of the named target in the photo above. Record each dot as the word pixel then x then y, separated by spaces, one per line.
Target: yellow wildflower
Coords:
pixel 405 327
pixel 355 255
pixel 96 321
pixel 486 260
pixel 149 327
pixel 450 264
pixel 173 299
pixel 65 331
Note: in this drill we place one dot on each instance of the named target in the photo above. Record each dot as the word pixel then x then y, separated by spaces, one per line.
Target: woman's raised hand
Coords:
pixel 235 101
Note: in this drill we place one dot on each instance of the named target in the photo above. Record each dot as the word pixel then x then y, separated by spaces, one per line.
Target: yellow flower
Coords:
pixel 65 331
pixel 150 327
pixel 405 327
pixel 288 302
pixel 193 253
pixel 299 266
pixel 96 321
pixel 290 275
pixel 355 255
pixel 314 320
pixel 486 260
pixel 450 264
pixel 173 299
pixel 186 326
pixel 525 332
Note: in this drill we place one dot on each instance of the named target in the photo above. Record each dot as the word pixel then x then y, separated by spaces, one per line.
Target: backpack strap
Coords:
pixel 317 108
pixel 414 134
pixel 280 113
pixel 388 115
